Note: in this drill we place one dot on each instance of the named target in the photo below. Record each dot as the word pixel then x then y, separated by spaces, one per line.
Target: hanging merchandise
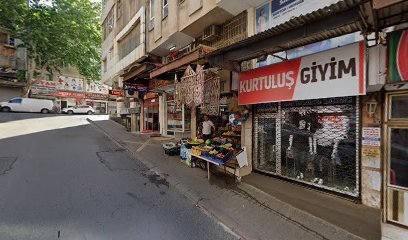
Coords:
pixel 199 86
pixel 177 92
pixel 187 85
pixel 211 104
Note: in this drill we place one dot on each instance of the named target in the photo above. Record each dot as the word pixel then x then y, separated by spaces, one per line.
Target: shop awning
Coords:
pixel 136 71
pixel 335 20
pixel 197 54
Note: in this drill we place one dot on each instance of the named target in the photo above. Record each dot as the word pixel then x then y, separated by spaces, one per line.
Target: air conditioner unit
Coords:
pixel 132 94
pixel 212 33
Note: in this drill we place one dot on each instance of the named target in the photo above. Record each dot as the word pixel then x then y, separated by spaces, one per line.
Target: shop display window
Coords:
pixel 178 116
pixel 174 116
pixel 315 142
pixel 397 158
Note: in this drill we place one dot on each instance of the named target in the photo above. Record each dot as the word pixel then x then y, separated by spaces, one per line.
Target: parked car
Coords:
pixel 27 105
pixel 79 110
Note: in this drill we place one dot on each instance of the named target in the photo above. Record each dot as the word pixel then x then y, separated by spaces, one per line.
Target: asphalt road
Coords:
pixel 60 178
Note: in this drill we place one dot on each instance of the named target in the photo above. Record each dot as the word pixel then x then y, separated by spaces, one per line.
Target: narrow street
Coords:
pixel 61 178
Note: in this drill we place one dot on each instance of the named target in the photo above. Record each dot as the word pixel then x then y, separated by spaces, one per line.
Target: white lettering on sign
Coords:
pixel 284 79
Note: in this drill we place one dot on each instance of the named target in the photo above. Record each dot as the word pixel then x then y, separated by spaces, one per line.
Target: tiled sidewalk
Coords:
pixel 258 208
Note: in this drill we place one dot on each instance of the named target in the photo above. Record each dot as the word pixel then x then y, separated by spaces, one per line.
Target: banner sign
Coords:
pixel 276 12
pixel 70 84
pixel 97 96
pixel 397 56
pixel 116 93
pixel 96 87
pixel 135 87
pixel 284 10
pixel 44 88
pixel 338 72
pixel 66 94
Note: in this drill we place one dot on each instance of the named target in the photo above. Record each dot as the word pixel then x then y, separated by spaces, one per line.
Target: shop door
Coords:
pixel 64 104
pixel 397 159
pixel 151 115
pixel 266 147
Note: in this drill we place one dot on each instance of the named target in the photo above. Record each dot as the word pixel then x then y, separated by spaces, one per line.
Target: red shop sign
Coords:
pixel 67 94
pixel 116 93
pixel 335 73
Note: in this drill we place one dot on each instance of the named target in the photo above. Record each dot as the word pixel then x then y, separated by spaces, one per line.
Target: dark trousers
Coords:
pixel 207 136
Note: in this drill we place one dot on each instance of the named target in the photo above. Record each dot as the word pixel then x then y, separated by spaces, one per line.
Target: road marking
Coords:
pixel 144 145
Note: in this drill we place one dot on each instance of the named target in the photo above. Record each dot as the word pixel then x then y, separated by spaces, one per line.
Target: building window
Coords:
pixel 4 38
pixel 151 14
pixel 48 77
pixel 165 8
pixel 104 66
pixel 119 9
pixel 107 25
pixel 111 53
pixel 130 42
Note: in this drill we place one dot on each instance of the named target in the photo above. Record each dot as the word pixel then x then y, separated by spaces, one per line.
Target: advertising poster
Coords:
pixel 262 18
pixel 70 84
pixel 44 88
pixel 284 10
pixel 371 137
pixel 398 52
pixel 96 87
pixel 335 73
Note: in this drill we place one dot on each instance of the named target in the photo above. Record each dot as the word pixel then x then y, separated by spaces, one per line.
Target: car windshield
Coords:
pixel 15 100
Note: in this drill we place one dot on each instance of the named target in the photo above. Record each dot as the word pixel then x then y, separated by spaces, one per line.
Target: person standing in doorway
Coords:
pixel 208 125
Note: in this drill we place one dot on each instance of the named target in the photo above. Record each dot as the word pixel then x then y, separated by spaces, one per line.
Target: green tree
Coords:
pixel 57 34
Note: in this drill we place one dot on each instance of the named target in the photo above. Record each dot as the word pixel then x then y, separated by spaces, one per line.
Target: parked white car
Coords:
pixel 27 105
pixel 79 110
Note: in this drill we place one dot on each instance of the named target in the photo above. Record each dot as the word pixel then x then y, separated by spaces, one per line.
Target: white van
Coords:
pixel 27 105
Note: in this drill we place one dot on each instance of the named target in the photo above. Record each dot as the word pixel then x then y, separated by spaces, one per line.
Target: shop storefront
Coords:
pixel 396 135
pixel 312 141
pixel 98 101
pixel 178 117
pixel 151 113
pixel 69 99
pixel 306 124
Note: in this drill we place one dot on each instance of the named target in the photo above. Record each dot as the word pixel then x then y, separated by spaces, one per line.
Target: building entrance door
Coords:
pixel 396 155
pixel 151 115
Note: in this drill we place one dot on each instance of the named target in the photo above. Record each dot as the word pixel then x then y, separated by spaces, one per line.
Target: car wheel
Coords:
pixel 89 113
pixel 70 112
pixel 5 109
pixel 45 111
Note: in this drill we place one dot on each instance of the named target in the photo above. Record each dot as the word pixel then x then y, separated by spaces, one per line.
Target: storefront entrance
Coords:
pixel 396 156
pixel 313 142
pixel 151 115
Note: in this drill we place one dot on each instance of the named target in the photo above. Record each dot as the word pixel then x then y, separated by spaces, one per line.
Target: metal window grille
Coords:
pixel 314 142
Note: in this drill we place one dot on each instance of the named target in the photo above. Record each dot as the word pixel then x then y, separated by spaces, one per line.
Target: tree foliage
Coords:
pixel 57 33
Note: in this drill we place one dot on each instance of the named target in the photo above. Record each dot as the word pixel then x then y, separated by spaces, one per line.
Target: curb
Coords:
pixel 315 225
pixel 199 202
pixel 286 210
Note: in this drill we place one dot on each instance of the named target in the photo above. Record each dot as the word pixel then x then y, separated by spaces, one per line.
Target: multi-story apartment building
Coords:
pixel 342 152
pixel 123 46
pixel 12 66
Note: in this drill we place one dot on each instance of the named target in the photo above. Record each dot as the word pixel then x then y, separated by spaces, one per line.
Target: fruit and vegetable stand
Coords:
pixel 223 156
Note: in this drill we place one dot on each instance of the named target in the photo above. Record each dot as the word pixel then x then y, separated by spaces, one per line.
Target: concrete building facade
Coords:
pixel 348 149
pixel 123 46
